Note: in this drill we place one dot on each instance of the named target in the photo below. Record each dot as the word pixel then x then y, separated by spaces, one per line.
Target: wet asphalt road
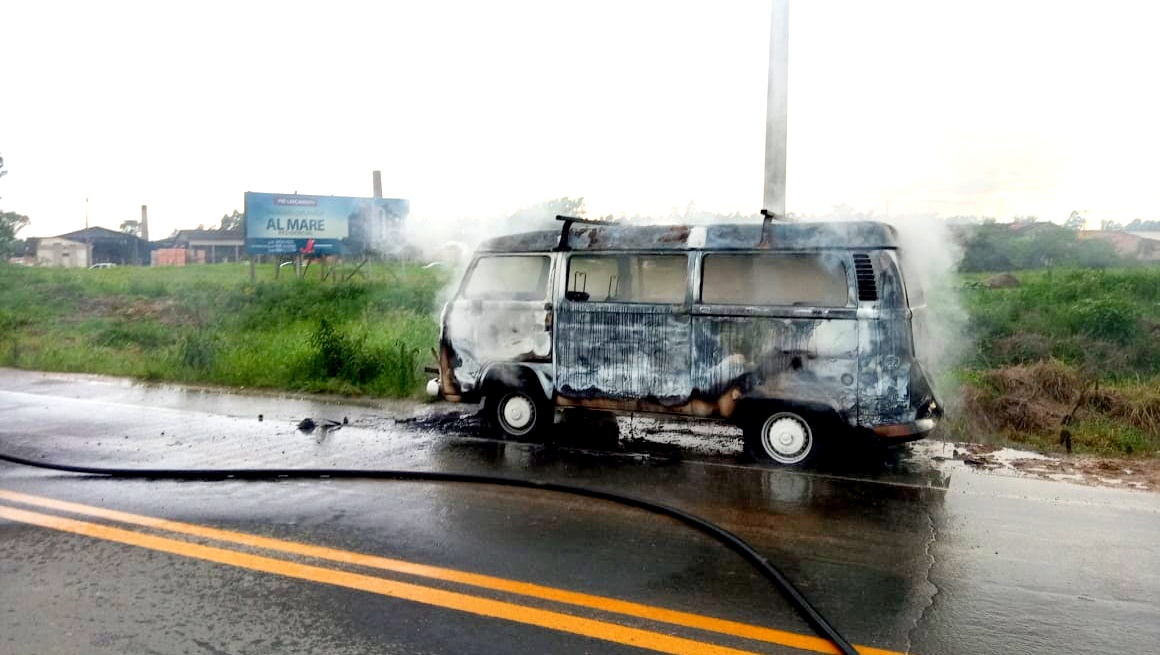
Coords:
pixel 899 555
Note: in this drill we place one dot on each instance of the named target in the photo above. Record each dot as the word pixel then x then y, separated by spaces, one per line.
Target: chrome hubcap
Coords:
pixel 787 438
pixel 518 412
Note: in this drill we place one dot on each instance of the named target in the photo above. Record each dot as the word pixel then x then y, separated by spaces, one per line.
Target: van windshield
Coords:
pixel 788 279
pixel 515 277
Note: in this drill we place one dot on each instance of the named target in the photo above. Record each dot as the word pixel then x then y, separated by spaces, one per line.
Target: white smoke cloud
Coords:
pixel 930 256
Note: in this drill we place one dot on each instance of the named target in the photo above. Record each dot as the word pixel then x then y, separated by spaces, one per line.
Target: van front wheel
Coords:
pixel 784 437
pixel 517 413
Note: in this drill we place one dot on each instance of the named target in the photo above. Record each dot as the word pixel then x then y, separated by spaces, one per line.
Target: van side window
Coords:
pixel 787 279
pixel 517 277
pixel 628 278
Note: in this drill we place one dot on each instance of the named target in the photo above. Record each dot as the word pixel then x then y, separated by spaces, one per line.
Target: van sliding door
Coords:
pixel 623 328
pixel 777 326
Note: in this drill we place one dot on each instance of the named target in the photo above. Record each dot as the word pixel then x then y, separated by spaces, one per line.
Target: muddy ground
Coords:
pixel 1136 472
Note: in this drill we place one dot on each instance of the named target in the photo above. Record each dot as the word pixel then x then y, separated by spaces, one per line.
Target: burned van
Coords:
pixel 800 333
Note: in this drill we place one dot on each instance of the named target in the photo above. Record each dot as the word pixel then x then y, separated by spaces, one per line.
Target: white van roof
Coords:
pixel 843 235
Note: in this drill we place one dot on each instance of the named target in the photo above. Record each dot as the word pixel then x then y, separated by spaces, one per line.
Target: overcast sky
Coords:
pixel 478 108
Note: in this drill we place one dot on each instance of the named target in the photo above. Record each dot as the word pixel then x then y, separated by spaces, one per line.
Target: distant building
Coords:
pixel 1144 246
pixel 199 247
pixel 59 251
pixel 177 257
pixel 101 246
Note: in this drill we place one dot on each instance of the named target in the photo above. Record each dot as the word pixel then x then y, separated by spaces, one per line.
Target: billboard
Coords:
pixel 292 224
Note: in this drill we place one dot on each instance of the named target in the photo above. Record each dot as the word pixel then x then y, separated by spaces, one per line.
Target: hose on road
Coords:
pixel 785 587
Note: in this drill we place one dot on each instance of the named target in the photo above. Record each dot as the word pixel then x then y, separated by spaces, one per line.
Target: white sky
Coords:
pixel 478 108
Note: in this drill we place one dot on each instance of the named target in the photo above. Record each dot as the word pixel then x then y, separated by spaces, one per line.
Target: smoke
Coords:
pixel 444 238
pixel 449 241
pixel 930 257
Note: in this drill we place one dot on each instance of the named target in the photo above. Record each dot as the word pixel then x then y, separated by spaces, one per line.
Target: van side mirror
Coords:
pixel 577 296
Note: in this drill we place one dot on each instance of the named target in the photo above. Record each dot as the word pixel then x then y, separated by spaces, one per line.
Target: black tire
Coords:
pixel 786 437
pixel 520 413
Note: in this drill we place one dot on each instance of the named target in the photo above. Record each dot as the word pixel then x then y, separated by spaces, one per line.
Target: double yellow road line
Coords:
pixel 464 602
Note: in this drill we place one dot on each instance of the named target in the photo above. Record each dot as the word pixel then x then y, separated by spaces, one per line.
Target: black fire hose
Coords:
pixel 787 589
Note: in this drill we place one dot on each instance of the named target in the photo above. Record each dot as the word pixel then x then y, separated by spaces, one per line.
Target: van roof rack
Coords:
pixel 566 231
pixel 768 217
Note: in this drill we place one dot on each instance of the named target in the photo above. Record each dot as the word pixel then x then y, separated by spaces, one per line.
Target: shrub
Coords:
pixel 198 350
pixel 1110 319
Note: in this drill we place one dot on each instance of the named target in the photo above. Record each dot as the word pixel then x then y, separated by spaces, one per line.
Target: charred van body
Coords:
pixel 798 332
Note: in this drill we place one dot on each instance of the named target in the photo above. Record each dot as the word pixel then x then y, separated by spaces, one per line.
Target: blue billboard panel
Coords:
pixel 291 224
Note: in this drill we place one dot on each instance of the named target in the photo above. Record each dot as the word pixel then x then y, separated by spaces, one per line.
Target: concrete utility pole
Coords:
pixel 777 110
pixel 377 181
pixel 88 238
pixel 145 222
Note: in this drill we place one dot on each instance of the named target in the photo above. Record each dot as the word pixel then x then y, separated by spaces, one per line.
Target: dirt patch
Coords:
pixel 1134 473
pixel 1128 473
pixel 1049 379
pixel 1001 281
pixel 165 311
pixel 1049 405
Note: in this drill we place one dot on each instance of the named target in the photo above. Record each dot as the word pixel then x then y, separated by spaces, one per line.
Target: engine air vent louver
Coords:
pixel 864 270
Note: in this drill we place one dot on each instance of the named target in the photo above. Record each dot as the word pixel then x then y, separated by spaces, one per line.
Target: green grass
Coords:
pixel 1037 345
pixel 1070 330
pixel 211 324
pixel 1104 322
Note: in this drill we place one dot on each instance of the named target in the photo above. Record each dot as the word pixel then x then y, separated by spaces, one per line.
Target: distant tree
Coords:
pixel 1140 225
pixel 1111 226
pixel 131 227
pixel 10 224
pixel 1000 248
pixel 2 171
pixel 1075 221
pixel 233 222
pixel 1024 219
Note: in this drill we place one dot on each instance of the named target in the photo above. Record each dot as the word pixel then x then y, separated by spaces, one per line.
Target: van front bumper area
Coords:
pixel 906 431
pixel 926 420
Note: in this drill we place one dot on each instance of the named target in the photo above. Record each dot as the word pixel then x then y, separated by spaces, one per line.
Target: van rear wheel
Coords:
pixel 784 437
pixel 517 412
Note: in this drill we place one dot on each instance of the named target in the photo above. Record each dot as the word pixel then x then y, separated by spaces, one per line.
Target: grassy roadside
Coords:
pixel 1072 352
pixel 1066 356
pixel 209 324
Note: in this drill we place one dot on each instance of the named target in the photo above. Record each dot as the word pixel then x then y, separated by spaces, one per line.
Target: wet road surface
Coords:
pixel 898 554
